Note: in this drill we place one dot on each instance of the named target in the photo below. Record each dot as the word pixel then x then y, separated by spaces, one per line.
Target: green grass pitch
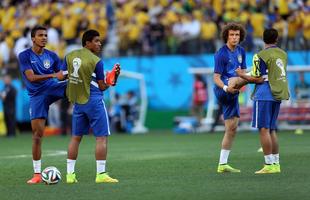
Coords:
pixel 160 165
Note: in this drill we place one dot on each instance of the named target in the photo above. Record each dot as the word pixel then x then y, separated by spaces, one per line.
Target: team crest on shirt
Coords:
pixel 240 58
pixel 47 64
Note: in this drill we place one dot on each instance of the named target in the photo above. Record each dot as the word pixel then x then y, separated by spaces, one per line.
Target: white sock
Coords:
pixel 224 156
pixel 36 166
pixel 100 166
pixel 268 159
pixel 276 158
pixel 70 166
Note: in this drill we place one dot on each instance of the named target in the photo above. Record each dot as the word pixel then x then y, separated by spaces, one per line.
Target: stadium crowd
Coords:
pixel 148 27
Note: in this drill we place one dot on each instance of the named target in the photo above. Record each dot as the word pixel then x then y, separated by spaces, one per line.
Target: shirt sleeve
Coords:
pixel 64 66
pixel 256 72
pixel 56 63
pixel 24 61
pixel 99 70
pixel 218 63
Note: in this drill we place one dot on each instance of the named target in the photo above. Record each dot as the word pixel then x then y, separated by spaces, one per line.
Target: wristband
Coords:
pixel 225 88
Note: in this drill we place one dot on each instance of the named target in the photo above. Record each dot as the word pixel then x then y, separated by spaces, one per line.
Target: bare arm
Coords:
pixel 220 84
pixel 36 78
pixel 102 85
pixel 241 73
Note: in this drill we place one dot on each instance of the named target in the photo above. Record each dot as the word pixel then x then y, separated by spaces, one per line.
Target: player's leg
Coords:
pixel 231 117
pixel 100 125
pixel 263 121
pixel 101 157
pixel 37 126
pixel 80 126
pixel 266 144
pixel 73 151
pixel 275 151
pixel 230 133
pixel 274 138
pixel 38 113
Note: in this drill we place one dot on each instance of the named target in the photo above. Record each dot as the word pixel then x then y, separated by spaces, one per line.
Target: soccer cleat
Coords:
pixel 111 77
pixel 260 149
pixel 71 178
pixel 105 178
pixel 267 169
pixel 226 168
pixel 277 167
pixel 35 179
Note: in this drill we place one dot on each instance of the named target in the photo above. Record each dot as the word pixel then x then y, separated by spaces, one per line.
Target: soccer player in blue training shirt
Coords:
pixel 84 90
pixel 269 74
pixel 39 68
pixel 227 60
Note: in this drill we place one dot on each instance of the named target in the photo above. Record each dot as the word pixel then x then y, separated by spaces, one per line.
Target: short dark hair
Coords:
pixel 235 27
pixel 35 29
pixel 270 36
pixel 89 36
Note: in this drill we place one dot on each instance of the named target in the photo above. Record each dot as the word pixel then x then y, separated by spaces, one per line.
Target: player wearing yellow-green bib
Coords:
pixel 269 74
pixel 85 85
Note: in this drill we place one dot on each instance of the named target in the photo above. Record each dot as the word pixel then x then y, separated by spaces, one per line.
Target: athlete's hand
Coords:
pixel 239 71
pixel 232 90
pixel 111 77
pixel 60 75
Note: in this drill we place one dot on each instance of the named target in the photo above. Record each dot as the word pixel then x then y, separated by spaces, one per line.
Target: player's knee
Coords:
pixel 101 139
pixel 76 139
pixel 36 138
pixel 233 129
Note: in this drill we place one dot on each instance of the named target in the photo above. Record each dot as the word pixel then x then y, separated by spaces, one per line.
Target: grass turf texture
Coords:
pixel 160 165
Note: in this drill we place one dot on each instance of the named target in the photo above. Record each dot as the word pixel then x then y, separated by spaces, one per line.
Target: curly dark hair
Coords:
pixel 233 26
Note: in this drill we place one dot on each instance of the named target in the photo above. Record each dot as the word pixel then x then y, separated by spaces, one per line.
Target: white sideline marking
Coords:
pixel 48 153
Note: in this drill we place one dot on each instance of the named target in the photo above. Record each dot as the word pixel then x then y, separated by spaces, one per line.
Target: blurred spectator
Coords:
pixel 306 26
pixel 129 113
pixel 8 96
pixel 302 88
pixel 248 43
pixel 199 97
pixel 155 26
pixel 115 114
pixel 258 20
pixel 190 35
pixel 294 28
pixel 4 50
pixel 23 42
pixel 281 26
pixel 157 36
pixel 207 35
pixel 53 36
pixel 54 115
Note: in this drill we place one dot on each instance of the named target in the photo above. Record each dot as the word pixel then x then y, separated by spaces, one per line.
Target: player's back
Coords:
pixel 81 65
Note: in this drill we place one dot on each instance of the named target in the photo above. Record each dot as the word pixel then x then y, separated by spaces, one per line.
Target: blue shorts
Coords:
pixel 39 104
pixel 92 115
pixel 265 114
pixel 229 103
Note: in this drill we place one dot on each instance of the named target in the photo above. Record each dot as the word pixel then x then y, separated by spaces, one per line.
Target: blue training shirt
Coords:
pixel 227 61
pixel 97 75
pixel 46 63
